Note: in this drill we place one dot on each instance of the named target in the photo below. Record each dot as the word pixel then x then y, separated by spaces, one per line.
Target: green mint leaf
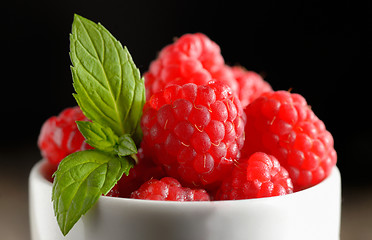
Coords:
pixel 135 114
pixel 104 139
pixel 126 146
pixel 108 85
pixel 80 180
pixel 98 136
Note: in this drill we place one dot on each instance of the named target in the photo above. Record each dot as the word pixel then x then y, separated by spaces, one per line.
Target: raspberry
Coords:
pixel 47 170
pixel 251 85
pixel 60 136
pixel 282 124
pixel 192 58
pixel 259 176
pixel 195 132
pixel 143 171
pixel 114 192
pixel 169 189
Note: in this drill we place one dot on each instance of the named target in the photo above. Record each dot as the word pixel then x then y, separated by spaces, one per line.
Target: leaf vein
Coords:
pixel 89 97
pixel 80 183
pixel 121 126
pixel 90 39
pixel 92 75
pixel 114 98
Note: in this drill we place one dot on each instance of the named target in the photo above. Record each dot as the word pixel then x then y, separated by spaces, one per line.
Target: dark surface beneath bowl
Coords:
pixel 14 222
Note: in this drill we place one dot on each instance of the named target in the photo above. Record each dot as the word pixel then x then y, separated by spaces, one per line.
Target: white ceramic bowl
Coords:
pixel 313 214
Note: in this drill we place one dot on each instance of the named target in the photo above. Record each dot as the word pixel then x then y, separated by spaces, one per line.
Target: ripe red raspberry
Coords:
pixel 60 136
pixel 251 85
pixel 114 192
pixel 143 171
pixel 283 125
pixel 195 132
pixel 259 176
pixel 169 189
pixel 47 170
pixel 192 58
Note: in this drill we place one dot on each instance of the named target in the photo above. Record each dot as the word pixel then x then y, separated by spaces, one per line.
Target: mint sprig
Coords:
pixel 111 93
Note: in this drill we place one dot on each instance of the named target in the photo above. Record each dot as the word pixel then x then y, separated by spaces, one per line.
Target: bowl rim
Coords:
pixel 335 173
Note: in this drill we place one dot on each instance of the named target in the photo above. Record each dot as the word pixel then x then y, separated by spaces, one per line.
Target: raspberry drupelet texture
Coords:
pixel 194 132
pixel 191 58
pixel 259 176
pixel 60 136
pixel 169 189
pixel 251 85
pixel 143 171
pixel 282 124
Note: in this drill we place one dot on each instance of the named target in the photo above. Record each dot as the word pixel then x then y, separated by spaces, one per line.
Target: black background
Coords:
pixel 319 50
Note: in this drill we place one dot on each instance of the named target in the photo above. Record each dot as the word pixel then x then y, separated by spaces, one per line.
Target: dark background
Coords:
pixel 322 51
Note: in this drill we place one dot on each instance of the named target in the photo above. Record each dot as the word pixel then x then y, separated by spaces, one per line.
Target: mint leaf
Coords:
pixel 111 93
pixel 104 139
pixel 98 136
pixel 108 86
pixel 126 146
pixel 80 180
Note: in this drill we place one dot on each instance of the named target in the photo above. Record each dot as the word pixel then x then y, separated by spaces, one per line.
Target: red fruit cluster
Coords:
pixel 143 171
pixel 195 132
pixel 169 189
pixel 251 85
pixel 59 136
pixel 259 176
pixel 193 58
pixel 282 124
pixel 197 135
